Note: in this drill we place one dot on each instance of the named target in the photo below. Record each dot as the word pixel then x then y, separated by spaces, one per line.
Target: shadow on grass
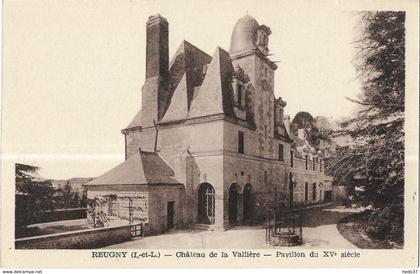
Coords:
pixel 23 232
pixel 321 216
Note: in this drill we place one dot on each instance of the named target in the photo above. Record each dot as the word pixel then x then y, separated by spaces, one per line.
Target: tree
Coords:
pixel 32 197
pixel 302 120
pixel 318 130
pixel 376 152
pixel 67 197
pixel 25 173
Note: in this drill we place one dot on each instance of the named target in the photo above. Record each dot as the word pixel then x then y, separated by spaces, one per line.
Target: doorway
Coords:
pixel 205 204
pixel 248 204
pixel 170 212
pixel 233 204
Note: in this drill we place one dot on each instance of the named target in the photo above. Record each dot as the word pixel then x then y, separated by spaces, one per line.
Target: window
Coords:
pixel 306 191
pixel 306 161
pixel 240 95
pixel 241 142
pixel 265 176
pixel 291 190
pixel 112 205
pixel 313 164
pixel 281 152
pixel 265 132
pixel 314 191
pixel 291 158
pixel 320 166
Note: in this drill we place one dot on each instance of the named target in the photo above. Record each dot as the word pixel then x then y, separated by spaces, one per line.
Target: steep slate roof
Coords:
pixel 215 95
pixel 178 105
pixel 199 85
pixel 143 168
pixel 186 72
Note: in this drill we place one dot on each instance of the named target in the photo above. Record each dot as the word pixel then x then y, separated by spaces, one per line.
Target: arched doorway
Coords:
pixel 233 204
pixel 248 203
pixel 205 204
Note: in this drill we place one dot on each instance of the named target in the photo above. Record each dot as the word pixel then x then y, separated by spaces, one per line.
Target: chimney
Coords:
pixel 301 134
pixel 157 48
pixel 286 121
pixel 155 88
pixel 279 105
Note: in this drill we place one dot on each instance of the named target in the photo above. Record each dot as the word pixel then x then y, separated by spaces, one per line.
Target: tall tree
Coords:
pixel 32 197
pixel 25 173
pixel 377 149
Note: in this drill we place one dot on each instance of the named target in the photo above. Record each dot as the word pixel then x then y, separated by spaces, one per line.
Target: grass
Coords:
pixel 354 229
pixel 50 228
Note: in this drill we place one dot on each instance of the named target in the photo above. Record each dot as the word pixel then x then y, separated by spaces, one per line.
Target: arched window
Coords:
pixel 206 204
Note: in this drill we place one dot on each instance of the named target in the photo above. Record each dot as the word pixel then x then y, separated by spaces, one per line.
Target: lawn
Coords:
pixel 354 229
pixel 51 228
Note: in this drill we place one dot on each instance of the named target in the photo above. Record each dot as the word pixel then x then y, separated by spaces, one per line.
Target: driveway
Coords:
pixel 319 231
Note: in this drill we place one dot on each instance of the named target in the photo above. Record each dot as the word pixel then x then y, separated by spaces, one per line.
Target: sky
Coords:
pixel 74 69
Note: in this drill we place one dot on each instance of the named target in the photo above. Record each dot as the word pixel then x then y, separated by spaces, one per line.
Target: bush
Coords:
pixel 387 224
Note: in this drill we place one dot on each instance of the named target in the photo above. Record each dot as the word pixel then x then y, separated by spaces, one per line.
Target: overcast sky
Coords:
pixel 75 69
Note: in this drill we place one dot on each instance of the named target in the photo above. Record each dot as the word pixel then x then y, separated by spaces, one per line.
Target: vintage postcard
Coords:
pixel 209 133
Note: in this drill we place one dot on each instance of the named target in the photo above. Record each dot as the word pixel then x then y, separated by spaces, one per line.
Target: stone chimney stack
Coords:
pixel 279 111
pixel 155 89
pixel 301 134
pixel 157 48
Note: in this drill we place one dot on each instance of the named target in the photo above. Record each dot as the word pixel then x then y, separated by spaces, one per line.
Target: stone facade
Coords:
pixel 217 125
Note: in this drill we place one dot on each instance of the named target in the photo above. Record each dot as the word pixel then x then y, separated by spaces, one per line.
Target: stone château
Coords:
pixel 211 144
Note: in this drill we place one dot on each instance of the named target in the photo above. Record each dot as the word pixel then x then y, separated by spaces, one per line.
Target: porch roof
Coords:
pixel 142 168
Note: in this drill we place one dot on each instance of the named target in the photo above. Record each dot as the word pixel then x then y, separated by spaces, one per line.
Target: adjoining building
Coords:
pixel 211 144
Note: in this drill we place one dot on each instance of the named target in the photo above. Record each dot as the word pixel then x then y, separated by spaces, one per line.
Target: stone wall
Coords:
pixel 83 239
pixel 195 151
pixel 301 175
pixel 159 196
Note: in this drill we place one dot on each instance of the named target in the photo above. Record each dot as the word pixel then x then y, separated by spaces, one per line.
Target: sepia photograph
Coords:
pixel 149 125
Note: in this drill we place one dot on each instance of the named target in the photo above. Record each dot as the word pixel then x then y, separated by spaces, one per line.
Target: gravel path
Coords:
pixel 319 231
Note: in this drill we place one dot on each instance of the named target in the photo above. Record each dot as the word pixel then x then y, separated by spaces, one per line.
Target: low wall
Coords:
pixel 82 239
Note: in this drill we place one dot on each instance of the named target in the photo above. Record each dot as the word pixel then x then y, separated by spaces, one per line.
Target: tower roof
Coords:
pixel 243 35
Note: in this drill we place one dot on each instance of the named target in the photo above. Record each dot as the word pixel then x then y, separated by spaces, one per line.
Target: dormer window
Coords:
pixel 239 87
pixel 239 95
